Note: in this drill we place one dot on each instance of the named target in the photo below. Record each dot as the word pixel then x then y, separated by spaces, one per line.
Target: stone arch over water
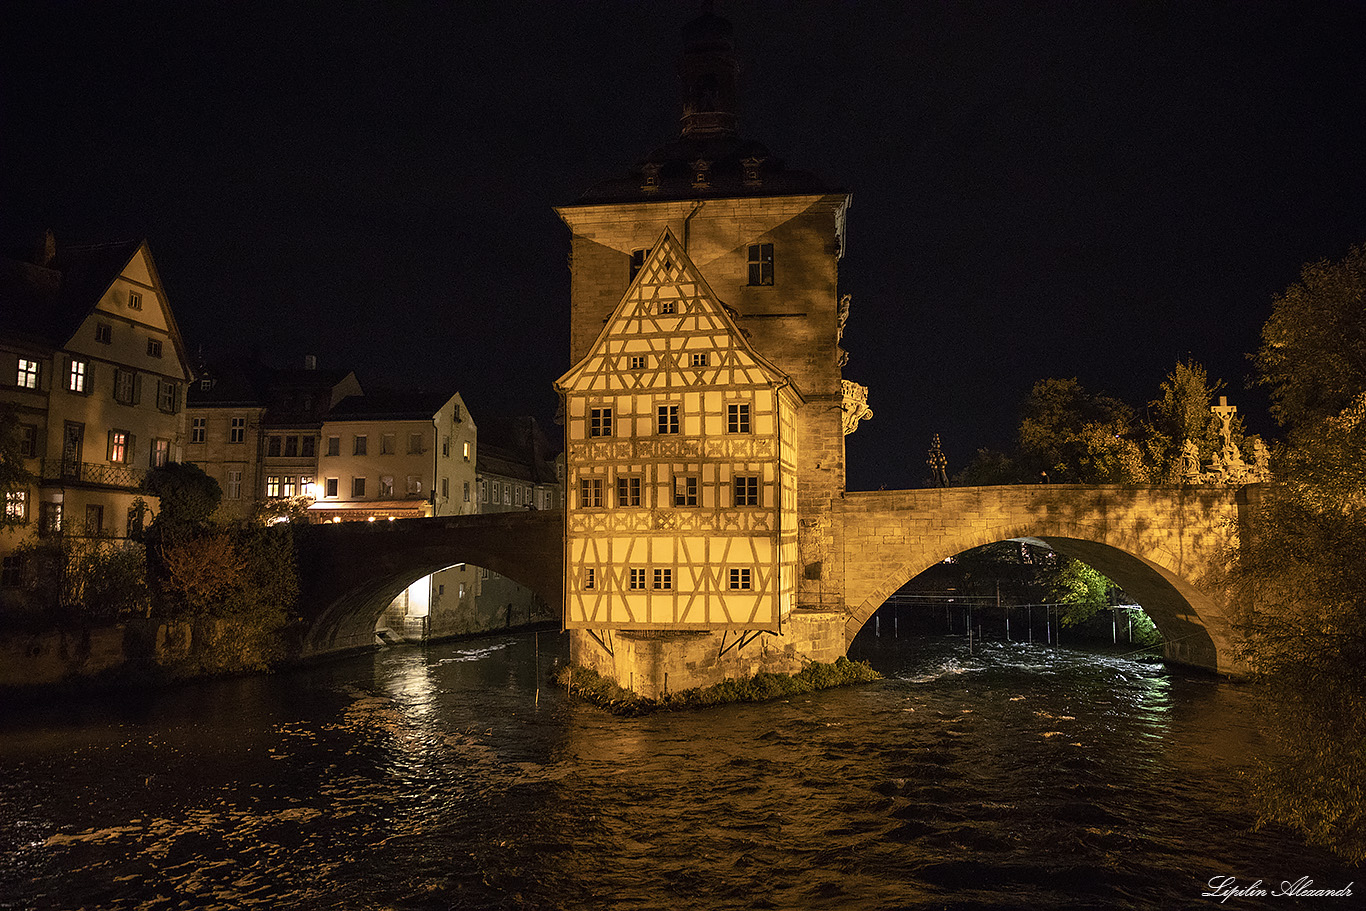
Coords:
pixel 1164 546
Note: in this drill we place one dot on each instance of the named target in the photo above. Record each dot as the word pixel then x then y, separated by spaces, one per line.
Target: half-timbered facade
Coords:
pixel 682 480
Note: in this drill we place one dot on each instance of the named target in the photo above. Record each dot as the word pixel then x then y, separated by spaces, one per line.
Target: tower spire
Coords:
pixel 710 76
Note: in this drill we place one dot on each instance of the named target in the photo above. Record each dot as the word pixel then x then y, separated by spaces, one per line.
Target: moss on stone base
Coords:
pixel 604 692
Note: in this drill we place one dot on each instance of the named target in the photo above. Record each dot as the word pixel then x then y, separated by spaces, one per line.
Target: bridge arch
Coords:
pixel 350 571
pixel 1164 546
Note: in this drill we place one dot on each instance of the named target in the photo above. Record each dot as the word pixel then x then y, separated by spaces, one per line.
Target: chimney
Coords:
pixel 310 362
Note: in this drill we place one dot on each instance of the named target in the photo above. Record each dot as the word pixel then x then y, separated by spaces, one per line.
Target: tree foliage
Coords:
pixel 13 474
pixel 188 495
pixel 1181 413
pixel 1300 565
pixel 1078 437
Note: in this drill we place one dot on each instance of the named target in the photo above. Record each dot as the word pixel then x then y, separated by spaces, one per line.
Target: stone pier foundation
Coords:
pixel 655 662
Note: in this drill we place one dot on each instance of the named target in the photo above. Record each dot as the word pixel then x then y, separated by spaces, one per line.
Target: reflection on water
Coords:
pixel 454 778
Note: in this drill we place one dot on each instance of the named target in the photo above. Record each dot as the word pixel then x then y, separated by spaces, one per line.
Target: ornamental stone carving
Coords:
pixel 855 405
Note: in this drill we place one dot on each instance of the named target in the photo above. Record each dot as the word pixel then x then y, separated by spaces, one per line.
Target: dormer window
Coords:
pixel 701 173
pixel 751 166
pixel 649 176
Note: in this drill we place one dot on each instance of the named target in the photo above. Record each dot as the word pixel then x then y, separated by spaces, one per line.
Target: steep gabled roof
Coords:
pixel 49 302
pixel 393 406
pixel 694 320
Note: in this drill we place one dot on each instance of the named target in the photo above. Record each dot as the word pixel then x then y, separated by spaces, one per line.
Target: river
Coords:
pixel 1019 775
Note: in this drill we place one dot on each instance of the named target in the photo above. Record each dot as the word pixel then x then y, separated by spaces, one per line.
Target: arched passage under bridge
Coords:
pixel 351 571
pixel 1163 546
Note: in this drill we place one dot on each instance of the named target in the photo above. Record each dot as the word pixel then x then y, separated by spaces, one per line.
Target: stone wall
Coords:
pixel 653 663
pixel 30 661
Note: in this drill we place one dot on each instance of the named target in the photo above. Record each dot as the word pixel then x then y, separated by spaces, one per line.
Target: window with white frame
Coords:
pixel 199 429
pixel 76 376
pixel 287 486
pixel 667 418
pixel 168 396
pixel 237 433
pixel 273 485
pixel 386 485
pixel 154 347
pixel 120 446
pixel 590 493
pixel 16 506
pixel 28 374
pixel 161 453
pixel 746 490
pixel 234 483
pixel 740 580
pixel 134 300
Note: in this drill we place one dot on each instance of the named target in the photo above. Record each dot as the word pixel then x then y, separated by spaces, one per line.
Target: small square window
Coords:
pixel 134 300
pixel 637 582
pixel 198 429
pixel 667 418
pixel 664 579
pixel 153 347
pixel 666 307
pixel 600 422
pixel 761 264
pixel 637 362
pixel 737 418
pixel 741 580
pixel 699 359
pixel 104 333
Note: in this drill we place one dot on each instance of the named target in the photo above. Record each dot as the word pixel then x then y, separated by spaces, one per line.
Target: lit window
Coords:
pixel 465 450
pixel 49 519
pixel 386 486
pixel 664 579
pixel 273 445
pixel 234 483
pixel 75 380
pixel 667 418
pixel 305 484
pixel 666 307
pixel 238 433
pixel 414 443
pixel 334 446
pixel 740 580
pixel 28 374
pixel 590 493
pixel 361 444
pixel 414 485
pixel 198 429
pixel 330 487
pixel 628 491
pixel 386 444
pixel 357 488
pixel 16 506
pixel 273 486
pixel 104 333
pixel 134 300
pixel 153 347
pixel 637 362
pixel 590 578
pixel 685 490
pixel 761 264
pixel 168 396
pixel 120 444
pixel 637 580
pixel 287 488
pixel 747 491
pixel 699 359
pixel 737 418
pixel 161 453
pixel 600 422
pixel 637 260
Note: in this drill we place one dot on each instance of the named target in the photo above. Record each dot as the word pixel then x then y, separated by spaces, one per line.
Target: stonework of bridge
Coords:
pixel 349 572
pixel 1163 546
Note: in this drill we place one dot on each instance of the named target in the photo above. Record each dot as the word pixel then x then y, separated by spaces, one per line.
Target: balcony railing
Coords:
pixel 101 474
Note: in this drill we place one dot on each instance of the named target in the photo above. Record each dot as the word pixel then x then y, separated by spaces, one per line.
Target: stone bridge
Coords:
pixel 350 571
pixel 1163 546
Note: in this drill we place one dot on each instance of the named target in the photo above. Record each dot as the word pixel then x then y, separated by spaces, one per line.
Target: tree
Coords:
pixel 13 474
pixel 1077 437
pixel 1180 413
pixel 1313 351
pixel 188 495
pixel 1300 565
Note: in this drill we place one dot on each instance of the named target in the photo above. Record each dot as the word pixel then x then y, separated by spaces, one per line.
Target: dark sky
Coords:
pixel 1042 189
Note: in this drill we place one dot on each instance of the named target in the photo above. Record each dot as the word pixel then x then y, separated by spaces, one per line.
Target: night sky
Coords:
pixel 1065 189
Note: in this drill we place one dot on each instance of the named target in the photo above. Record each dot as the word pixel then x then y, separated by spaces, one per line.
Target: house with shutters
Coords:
pixel 94 369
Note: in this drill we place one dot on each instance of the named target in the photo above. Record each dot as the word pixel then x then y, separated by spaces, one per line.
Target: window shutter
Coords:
pixel 109 448
pixel 132 447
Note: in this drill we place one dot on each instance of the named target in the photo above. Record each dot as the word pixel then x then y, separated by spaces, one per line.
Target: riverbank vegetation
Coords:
pixel 588 685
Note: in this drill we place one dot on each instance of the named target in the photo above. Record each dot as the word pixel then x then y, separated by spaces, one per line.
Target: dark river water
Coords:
pixel 1020 776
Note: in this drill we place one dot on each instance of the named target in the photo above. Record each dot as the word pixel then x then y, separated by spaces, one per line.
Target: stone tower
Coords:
pixel 706 412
